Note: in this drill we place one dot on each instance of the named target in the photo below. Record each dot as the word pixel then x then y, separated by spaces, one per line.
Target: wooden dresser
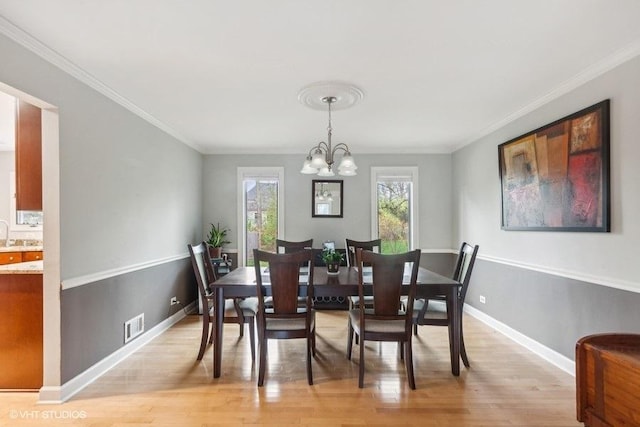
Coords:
pixel 608 380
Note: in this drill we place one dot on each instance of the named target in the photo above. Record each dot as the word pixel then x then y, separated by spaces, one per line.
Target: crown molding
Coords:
pixel 34 45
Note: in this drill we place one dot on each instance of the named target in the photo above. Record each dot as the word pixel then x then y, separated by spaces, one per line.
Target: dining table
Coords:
pixel 241 283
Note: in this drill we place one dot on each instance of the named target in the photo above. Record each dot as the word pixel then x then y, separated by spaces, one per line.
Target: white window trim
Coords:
pixel 409 171
pixel 243 172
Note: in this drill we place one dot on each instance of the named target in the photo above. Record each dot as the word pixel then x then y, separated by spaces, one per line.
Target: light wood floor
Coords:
pixel 163 384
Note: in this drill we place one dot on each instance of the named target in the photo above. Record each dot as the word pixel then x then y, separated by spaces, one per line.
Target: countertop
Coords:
pixel 31 267
pixel 20 248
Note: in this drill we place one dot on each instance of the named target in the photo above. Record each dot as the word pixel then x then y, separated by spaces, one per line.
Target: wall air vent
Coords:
pixel 133 327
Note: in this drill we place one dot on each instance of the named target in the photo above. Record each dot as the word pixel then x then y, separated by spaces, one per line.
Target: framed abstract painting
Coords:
pixel 556 178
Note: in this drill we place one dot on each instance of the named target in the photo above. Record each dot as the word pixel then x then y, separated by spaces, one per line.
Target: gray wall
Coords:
pixel 220 200
pixel 557 286
pixel 550 309
pixel 93 314
pixel 130 195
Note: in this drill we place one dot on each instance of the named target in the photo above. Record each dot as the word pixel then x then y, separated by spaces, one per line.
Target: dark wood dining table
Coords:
pixel 241 282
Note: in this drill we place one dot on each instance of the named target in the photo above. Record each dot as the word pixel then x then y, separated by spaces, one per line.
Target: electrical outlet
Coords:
pixel 174 300
pixel 483 300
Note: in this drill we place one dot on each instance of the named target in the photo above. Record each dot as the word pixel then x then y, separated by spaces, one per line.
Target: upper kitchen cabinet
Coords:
pixel 28 157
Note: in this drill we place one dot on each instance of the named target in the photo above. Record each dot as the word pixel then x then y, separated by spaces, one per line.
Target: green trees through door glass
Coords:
pixel 261 214
pixel 394 215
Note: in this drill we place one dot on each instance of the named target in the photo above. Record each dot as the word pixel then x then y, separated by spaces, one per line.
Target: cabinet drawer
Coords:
pixel 10 257
pixel 31 256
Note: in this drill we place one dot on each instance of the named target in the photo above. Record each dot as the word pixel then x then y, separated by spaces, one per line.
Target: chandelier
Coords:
pixel 321 159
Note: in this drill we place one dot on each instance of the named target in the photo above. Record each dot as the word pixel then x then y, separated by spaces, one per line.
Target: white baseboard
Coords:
pixel 57 395
pixel 551 356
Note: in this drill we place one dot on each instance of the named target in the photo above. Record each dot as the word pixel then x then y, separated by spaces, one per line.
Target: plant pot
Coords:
pixel 215 252
pixel 333 268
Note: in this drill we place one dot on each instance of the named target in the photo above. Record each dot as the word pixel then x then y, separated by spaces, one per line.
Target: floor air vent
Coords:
pixel 133 327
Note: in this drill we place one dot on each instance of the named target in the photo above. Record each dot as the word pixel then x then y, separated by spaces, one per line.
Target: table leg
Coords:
pixel 218 312
pixel 456 315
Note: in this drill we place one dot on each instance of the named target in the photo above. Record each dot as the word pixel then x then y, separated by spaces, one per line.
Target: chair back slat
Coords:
pixel 199 255
pixel 286 289
pixel 387 283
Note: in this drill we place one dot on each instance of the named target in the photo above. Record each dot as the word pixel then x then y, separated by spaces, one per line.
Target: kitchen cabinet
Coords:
pixel 28 157
pixel 21 331
pixel 10 257
pixel 31 256
pixel 19 256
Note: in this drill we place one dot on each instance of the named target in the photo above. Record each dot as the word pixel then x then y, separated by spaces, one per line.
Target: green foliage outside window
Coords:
pixel 269 232
pixel 263 220
pixel 394 216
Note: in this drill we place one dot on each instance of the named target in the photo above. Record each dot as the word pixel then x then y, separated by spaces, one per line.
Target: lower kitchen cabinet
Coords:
pixel 21 331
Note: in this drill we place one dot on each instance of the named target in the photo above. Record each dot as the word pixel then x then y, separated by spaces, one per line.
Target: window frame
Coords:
pixel 243 173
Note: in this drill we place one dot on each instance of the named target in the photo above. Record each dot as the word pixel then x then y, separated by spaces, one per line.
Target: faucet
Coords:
pixel 7 226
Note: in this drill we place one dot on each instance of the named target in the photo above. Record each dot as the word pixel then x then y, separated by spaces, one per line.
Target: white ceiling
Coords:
pixel 223 76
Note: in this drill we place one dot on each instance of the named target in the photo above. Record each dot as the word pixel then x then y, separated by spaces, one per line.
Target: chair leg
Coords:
pixel 205 337
pixel 349 339
pixel 309 352
pixel 415 329
pixel 463 350
pixel 241 324
pixel 263 360
pixel 450 329
pixel 409 363
pixel 212 327
pixel 361 371
pixel 401 349
pixel 252 337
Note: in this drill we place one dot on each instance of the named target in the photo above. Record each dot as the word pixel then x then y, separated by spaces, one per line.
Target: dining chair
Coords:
pixel 286 246
pixel 385 320
pixel 368 245
pixel 236 310
pixel 284 318
pixel 437 311
pixel 351 246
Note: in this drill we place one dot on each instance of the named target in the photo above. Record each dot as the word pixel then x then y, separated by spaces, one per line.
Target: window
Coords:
pixel 22 220
pixel 395 207
pixel 261 199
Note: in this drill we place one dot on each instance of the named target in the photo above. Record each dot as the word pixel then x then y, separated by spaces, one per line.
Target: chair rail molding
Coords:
pixel 625 285
pixel 106 274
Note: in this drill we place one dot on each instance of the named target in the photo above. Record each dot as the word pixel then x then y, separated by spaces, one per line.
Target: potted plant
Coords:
pixel 216 239
pixel 332 259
